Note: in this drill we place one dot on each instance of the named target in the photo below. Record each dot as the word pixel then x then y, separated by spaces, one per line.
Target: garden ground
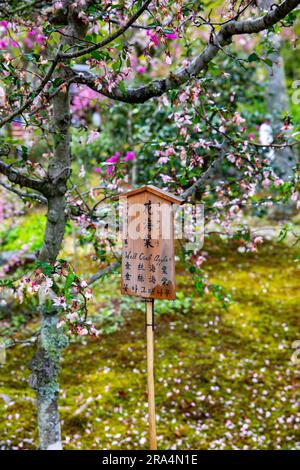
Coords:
pixel 224 377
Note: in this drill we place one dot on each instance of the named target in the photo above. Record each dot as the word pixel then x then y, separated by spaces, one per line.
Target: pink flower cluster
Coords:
pixel 70 304
pixel 113 161
pixel 33 37
pixel 154 39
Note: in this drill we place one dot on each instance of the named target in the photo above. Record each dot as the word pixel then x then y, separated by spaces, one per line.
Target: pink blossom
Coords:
pixel 170 151
pixel 200 260
pixel 168 59
pixel 110 170
pixel 231 158
pixel 234 210
pixel 88 293
pixel 165 178
pixel 82 172
pixel 114 158
pixel 4 24
pixel 266 182
pixel 82 98
pixel 58 6
pixel 162 160
pixel 28 43
pixel 60 302
pixel 237 118
pixel 3 44
pixel 92 136
pixel 98 169
pixel 40 38
pixel 82 331
pixel 129 156
pixel 72 317
pixel 154 39
pixel 141 69
pixel 171 35
pixel 285 126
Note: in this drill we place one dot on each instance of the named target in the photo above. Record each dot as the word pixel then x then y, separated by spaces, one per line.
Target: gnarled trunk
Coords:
pixel 46 363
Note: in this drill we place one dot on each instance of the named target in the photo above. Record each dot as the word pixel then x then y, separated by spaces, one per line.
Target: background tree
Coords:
pixel 48 47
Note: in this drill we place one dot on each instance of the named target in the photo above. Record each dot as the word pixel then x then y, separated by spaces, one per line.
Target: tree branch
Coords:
pixel 101 273
pixel 33 94
pixel 175 80
pixel 16 177
pixel 202 180
pixel 107 40
pixel 36 197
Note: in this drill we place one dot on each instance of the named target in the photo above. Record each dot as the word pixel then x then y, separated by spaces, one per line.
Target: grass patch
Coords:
pixel 224 378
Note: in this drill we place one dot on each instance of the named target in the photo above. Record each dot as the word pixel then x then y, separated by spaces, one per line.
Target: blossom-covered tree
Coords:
pixel 60 57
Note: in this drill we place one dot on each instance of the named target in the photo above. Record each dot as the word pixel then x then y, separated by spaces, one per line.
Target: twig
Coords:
pixel 112 37
pixel 22 195
pixel 102 273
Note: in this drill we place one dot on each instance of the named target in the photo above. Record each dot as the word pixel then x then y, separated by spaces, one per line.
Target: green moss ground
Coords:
pixel 224 378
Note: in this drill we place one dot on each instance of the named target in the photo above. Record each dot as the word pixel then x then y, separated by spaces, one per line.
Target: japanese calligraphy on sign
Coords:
pixel 148 268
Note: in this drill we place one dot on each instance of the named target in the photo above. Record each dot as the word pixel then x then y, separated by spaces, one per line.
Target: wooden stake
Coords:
pixel 150 369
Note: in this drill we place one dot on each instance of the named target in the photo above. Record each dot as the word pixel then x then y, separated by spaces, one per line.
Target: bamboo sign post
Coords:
pixel 148 266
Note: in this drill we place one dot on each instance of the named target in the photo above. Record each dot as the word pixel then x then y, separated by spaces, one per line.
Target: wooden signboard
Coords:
pixel 148 265
pixel 148 269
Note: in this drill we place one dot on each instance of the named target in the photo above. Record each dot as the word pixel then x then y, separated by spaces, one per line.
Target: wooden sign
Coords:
pixel 148 268
pixel 148 265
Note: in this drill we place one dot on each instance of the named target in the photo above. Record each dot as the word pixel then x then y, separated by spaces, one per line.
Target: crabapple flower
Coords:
pixel 168 58
pixel 93 135
pixel 82 172
pixel 154 39
pixel 57 6
pixel 82 331
pixel 141 69
pixel 60 302
pixel 88 294
pixel 129 156
pixel 234 210
pixel 171 35
pixel 162 160
pixel 200 260
pixel 72 316
pixel 165 178
pixel 114 158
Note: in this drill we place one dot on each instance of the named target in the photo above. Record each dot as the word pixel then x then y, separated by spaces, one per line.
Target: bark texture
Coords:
pixel 175 80
pixel 45 365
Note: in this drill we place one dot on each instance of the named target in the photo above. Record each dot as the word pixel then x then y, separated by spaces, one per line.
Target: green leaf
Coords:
pixel 46 268
pixel 268 62
pixel 97 55
pixel 69 281
pixel 253 57
pixel 122 87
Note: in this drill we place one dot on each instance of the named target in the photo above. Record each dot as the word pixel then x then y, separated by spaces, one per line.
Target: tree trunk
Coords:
pixel 46 363
pixel 277 103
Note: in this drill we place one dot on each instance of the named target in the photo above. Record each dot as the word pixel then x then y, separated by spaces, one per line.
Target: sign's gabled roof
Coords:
pixel 154 190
